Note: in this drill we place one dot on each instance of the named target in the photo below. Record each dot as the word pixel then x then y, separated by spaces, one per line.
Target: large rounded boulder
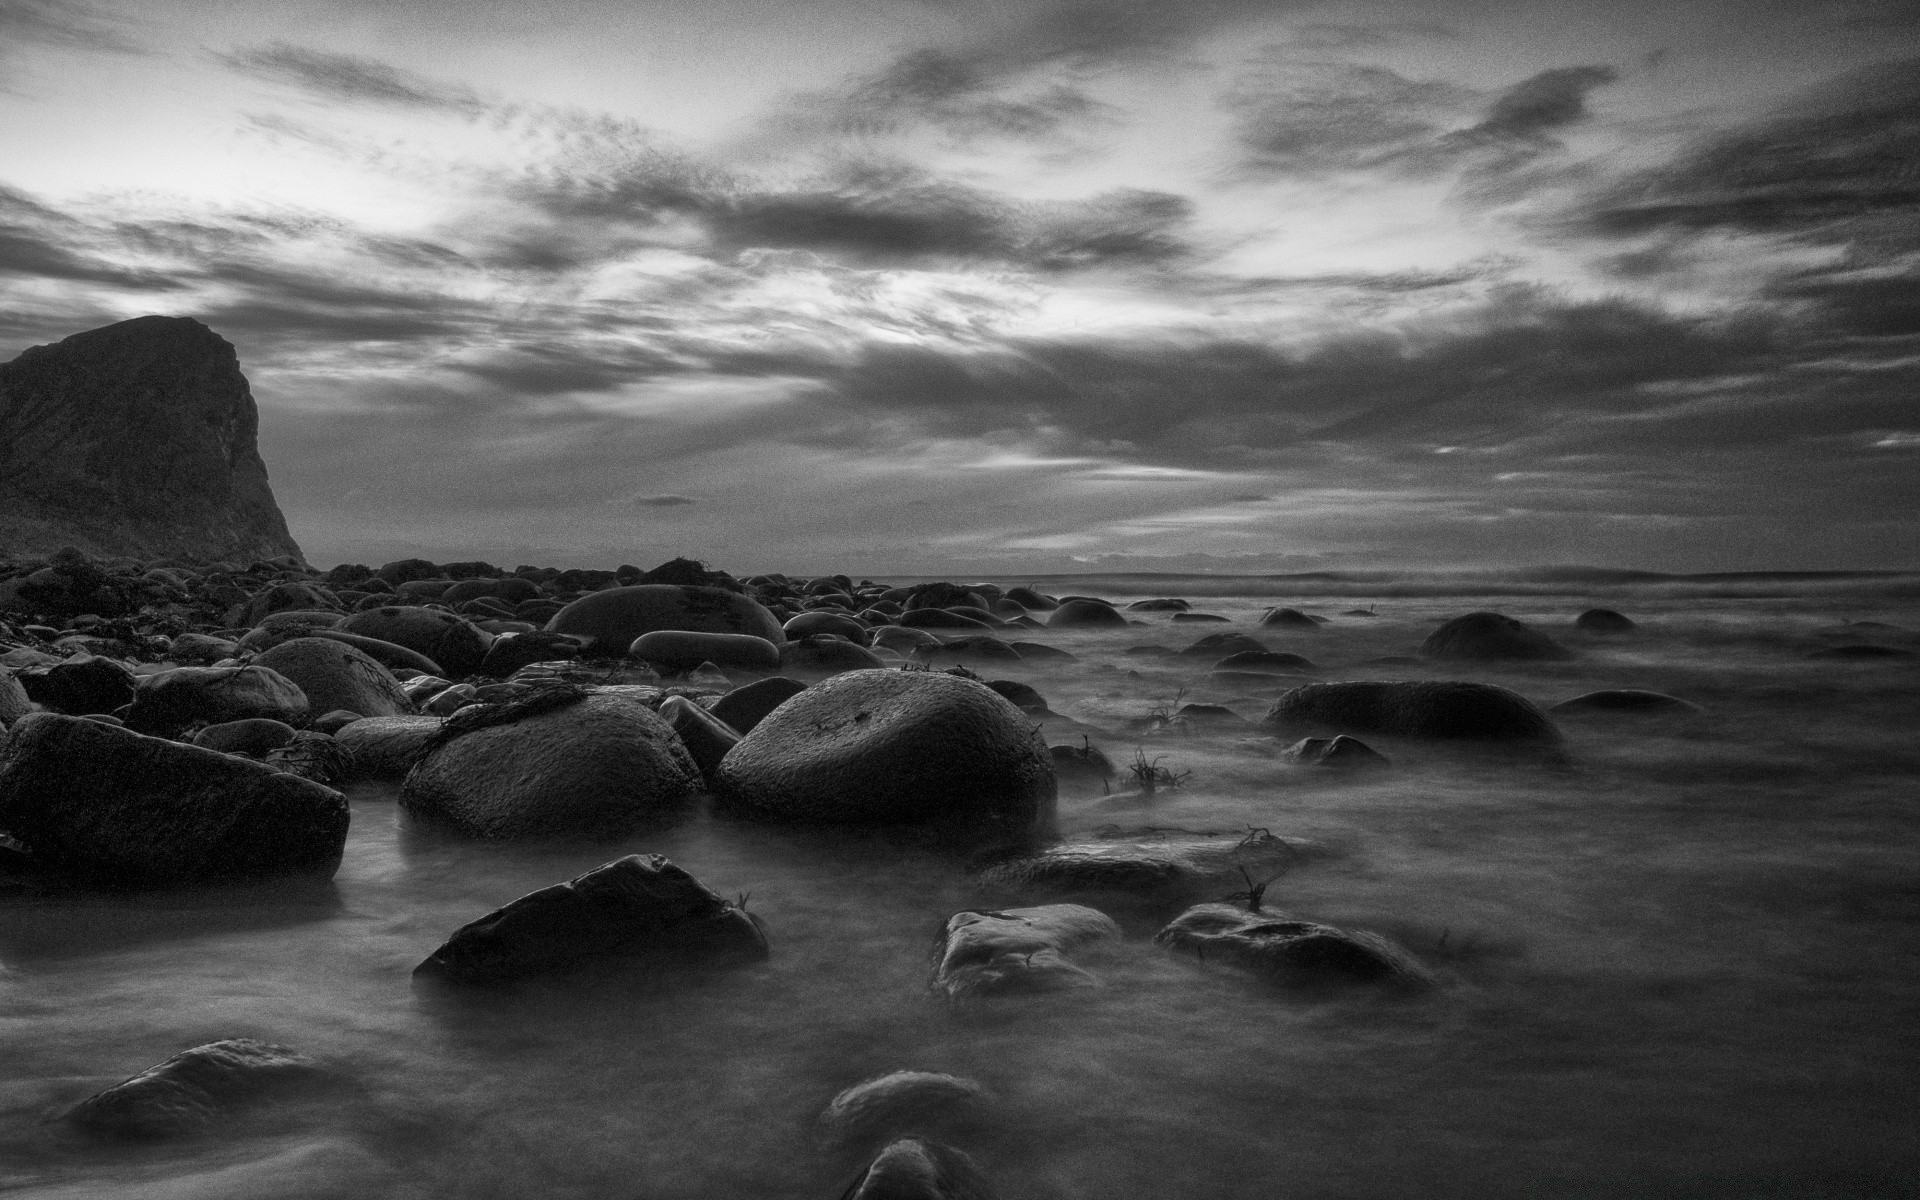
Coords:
pixel 559 764
pixel 894 746
pixel 335 676
pixel 1085 614
pixel 457 644
pixel 680 650
pixel 611 620
pixel 1491 636
pixel 1413 708
pixel 168 702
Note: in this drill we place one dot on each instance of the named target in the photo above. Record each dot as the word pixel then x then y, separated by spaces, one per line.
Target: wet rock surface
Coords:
pixel 1017 951
pixel 1288 949
pixel 195 1089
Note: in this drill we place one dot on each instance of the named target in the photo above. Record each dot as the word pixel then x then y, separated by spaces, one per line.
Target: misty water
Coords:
pixel 1681 964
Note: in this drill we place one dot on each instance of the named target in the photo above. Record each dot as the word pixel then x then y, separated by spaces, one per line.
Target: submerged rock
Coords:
pixel 747 705
pixel 1085 614
pixel 570 766
pixel 1604 620
pixel 820 655
pixel 1626 700
pixel 121 810
pixel 194 1089
pixel 1341 752
pixel 1285 947
pixel 705 736
pixel 900 1102
pixel 640 906
pixel 1288 618
pixel 1490 636
pixel 1019 950
pixel 254 736
pixel 1414 708
pixel 894 746
pixel 1155 870
pixel 912 1169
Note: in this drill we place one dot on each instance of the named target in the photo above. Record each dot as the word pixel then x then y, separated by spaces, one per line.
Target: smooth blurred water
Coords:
pixel 1685 965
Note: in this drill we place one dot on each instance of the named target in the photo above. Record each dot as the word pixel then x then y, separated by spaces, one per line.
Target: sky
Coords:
pixel 958 287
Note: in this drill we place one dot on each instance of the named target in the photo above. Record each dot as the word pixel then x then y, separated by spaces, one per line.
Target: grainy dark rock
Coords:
pixel 14 701
pixel 1217 645
pixel 168 702
pixel 610 621
pixel 1152 867
pixel 386 747
pixel 1269 662
pixel 194 1089
pixel 1019 950
pixel 336 675
pixel 899 1102
pixel 681 650
pixel 512 651
pixel 1414 708
pixel 1490 637
pixel 1289 618
pixel 1085 614
pixel 634 907
pixel 705 736
pixel 820 655
pixel 253 736
pixel 81 685
pixel 1626 700
pixel 1341 752
pixel 122 810
pixel 1287 948
pixel 913 1169
pixel 137 439
pixel 1604 620
pixel 449 640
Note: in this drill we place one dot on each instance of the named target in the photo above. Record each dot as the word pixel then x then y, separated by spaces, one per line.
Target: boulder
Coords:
pixel 1341 752
pixel 1167 604
pixel 1289 949
pixel 449 640
pixel 1491 637
pixel 168 702
pixel 387 654
pixel 1604 620
pixel 14 701
pixel 1414 708
pixel 334 675
pixel 901 639
pixel 1019 950
pixel 1626 700
pixel 1035 652
pixel 679 650
pixel 1150 868
pixel 386 747
pixel 1024 697
pixel 194 1090
pixel 81 685
pixel 639 906
pixel 1085 614
pixel 807 624
pixel 253 737
pixel 511 651
pixel 135 439
pixel 975 648
pixel 894 746
pixel 1218 645
pixel 912 1169
pixel 122 810
pixel 313 755
pixel 1080 765
pixel 705 736
pixel 200 650
pixel 899 1102
pixel 610 621
pixel 940 618
pixel 1200 618
pixel 1289 618
pixel 1866 652
pixel 1266 662
pixel 304 598
pixel 560 764
pixel 747 705
pixel 819 655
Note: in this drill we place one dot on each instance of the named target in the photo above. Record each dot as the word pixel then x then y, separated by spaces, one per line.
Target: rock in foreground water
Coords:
pixel 1285 947
pixel 1414 708
pixel 898 1103
pixel 193 1089
pixel 637 906
pixel 1019 950
pixel 1490 636
pixel 122 810
pixel 913 1169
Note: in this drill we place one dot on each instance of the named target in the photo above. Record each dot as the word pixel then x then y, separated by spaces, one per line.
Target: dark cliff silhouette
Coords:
pixel 135 439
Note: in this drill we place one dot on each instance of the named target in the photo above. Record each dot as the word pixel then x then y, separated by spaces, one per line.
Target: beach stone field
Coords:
pixel 448 880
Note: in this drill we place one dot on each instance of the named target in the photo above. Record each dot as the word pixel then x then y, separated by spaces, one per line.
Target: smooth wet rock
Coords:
pixel 747 705
pixel 1267 662
pixel 1604 620
pixel 640 906
pixel 899 1102
pixel 1151 868
pixel 253 737
pixel 894 746
pixel 287 597
pixel 1019 950
pixel 1040 652
pixel 1414 708
pixel 610 621
pixel 1289 618
pixel 706 737
pixel 603 766
pixel 200 650
pixel 81 685
pixel 1164 604
pixel 1286 948
pixel 448 639
pixel 386 747
pixel 1200 618
pixel 1626 700
pixel 818 656
pixel 807 624
pixel 1491 637
pixel 679 650
pixel 512 651
pixel 194 1090
pixel 1340 752
pixel 168 702
pixel 121 810
pixel 1085 614
pixel 913 1169
pixel 974 648
pixel 14 701
pixel 1080 766
pixel 334 675
pixel 901 639
pixel 1031 600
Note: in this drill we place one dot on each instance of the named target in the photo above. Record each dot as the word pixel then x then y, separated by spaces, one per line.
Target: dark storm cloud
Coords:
pixel 351 78
pixel 65 25
pixel 23 253
pixel 1837 164
pixel 1547 101
pixel 546 368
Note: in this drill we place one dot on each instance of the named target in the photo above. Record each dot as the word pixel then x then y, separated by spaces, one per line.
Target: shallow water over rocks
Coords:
pixel 1681 962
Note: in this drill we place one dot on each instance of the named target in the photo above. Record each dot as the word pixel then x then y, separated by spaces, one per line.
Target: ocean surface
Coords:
pixel 1684 963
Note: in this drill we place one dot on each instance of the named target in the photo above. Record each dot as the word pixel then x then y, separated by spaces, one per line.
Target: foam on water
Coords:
pixel 1683 964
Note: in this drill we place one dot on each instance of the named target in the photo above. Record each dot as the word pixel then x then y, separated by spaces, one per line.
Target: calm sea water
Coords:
pixel 1686 965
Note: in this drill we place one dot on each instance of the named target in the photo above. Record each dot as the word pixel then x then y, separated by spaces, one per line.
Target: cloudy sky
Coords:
pixel 959 286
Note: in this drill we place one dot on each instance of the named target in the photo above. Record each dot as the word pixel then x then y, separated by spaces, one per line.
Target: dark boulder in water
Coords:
pixel 511 651
pixel 253 737
pixel 82 685
pixel 1031 600
pixel 168 702
pixel 610 621
pixel 122 810
pixel 1490 636
pixel 976 648
pixel 1288 618
pixel 1414 708
pixel 447 638
pixel 913 1169
pixel 1626 700
pixel 1270 662
pixel 705 736
pixel 640 906
pixel 1041 652
pixel 747 705
pixel 1167 604
pixel 135 439
pixel 1085 614
pixel 1219 645
pixel 1604 620
pixel 1080 765
pixel 808 623
pixel 1019 950
pixel 194 1089
pixel 897 1103
pixel 1288 949
pixel 940 618
pixel 14 701
pixel 334 675
pixel 1863 652
pixel 1150 868
pixel 680 650
pixel 1340 752
pixel 894 746
pixel 386 747
pixel 564 765
pixel 820 655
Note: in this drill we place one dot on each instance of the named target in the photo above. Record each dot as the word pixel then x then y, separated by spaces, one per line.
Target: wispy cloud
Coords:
pixel 352 79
